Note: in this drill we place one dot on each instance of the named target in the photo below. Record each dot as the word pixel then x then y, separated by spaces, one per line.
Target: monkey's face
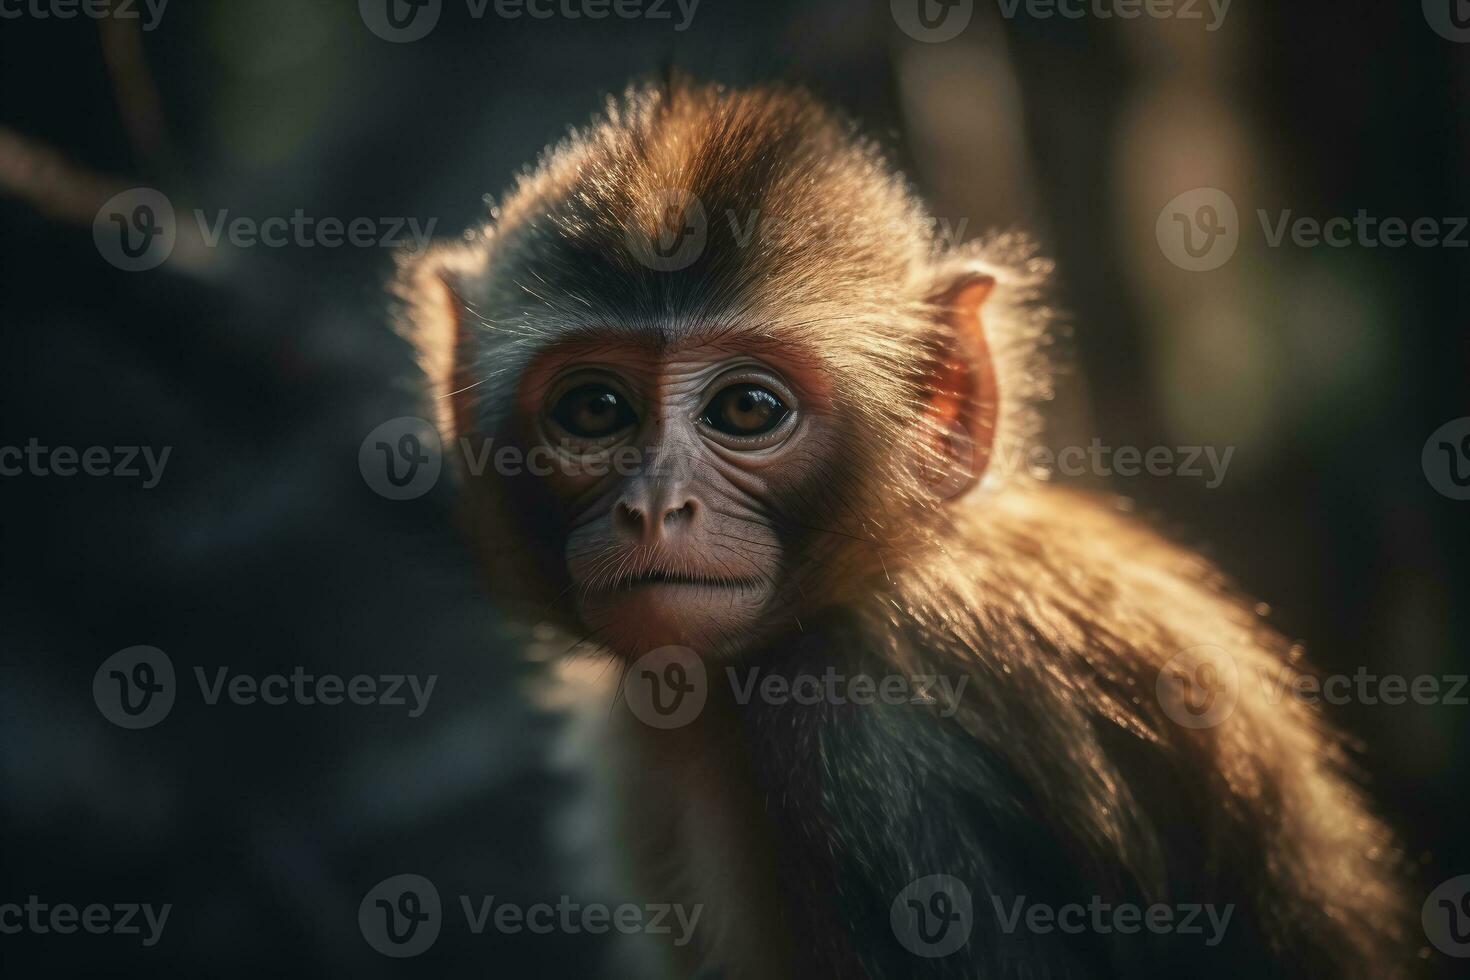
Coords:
pixel 674 477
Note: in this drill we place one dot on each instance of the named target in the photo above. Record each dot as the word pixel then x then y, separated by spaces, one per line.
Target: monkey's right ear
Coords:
pixel 961 401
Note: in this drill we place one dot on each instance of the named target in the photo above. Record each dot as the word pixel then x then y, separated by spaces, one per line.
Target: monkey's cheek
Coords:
pixel 709 620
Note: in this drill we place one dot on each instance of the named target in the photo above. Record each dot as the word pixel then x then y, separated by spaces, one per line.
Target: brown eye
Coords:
pixel 592 412
pixel 744 410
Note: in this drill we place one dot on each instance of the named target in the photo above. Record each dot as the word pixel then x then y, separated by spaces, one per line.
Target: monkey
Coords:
pixel 812 396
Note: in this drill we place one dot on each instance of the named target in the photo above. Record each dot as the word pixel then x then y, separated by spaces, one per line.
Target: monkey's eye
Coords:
pixel 745 409
pixel 592 411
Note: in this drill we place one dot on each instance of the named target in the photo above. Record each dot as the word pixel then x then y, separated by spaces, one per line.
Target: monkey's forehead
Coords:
pixel 810 351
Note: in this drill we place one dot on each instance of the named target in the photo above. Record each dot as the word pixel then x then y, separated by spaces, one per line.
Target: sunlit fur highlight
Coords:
pixel 1061 608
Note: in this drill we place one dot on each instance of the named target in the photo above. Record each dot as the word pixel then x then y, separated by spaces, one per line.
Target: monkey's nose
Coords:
pixel 634 520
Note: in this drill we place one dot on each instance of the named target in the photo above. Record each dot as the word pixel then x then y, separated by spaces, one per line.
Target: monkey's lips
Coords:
pixel 658 577
pixel 658 607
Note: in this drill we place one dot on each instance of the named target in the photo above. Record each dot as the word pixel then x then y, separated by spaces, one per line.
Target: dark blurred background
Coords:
pixel 262 547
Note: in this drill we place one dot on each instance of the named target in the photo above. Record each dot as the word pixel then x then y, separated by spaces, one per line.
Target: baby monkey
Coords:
pixel 888 712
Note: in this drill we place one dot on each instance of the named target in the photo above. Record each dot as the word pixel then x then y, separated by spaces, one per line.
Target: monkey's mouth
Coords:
pixel 643 608
pixel 656 577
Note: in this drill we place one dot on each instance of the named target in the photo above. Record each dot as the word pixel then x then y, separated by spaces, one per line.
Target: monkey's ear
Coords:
pixel 961 401
pixel 433 322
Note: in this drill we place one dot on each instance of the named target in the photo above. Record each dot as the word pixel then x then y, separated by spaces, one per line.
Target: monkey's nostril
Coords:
pixel 684 513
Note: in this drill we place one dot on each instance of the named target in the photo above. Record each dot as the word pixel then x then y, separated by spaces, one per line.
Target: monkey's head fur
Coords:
pixel 717 330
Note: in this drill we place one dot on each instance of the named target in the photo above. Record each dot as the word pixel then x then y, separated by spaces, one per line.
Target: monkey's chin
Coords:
pixel 712 620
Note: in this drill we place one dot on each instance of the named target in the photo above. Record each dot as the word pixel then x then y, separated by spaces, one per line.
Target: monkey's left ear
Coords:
pixel 432 320
pixel 961 401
